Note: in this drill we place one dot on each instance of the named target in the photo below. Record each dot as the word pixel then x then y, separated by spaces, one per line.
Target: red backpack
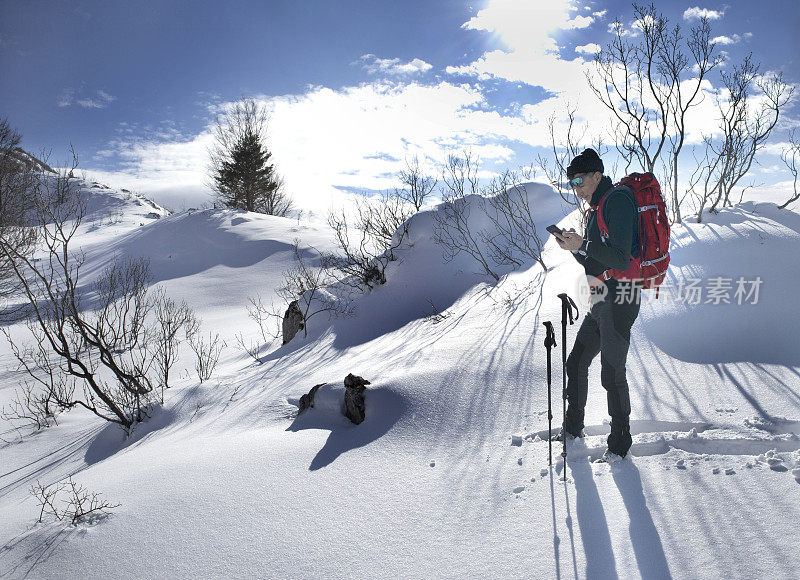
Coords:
pixel 650 267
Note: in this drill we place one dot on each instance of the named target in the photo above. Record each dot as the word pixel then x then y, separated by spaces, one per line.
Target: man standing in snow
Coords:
pixel 606 329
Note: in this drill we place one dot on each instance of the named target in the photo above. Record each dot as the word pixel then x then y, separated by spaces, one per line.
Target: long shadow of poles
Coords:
pixel 595 537
pixel 556 538
pixel 647 547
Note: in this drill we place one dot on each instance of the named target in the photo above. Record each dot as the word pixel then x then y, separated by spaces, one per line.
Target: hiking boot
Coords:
pixel 570 437
pixel 609 457
pixel 619 440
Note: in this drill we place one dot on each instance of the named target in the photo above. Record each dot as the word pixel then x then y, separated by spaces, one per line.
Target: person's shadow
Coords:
pixel 647 547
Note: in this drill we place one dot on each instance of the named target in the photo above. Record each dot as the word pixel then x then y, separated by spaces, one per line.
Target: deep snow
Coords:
pixel 448 474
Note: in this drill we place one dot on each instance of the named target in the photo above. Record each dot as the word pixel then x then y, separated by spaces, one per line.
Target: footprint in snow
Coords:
pixel 776 464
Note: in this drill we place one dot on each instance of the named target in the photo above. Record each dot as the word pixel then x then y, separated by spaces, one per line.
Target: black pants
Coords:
pixel 606 329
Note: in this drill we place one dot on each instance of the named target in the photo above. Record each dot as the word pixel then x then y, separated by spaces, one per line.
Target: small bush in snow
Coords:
pixel 368 241
pixel 79 504
pixel 790 157
pixel 207 354
pixel 313 290
pixel 503 233
pixel 31 405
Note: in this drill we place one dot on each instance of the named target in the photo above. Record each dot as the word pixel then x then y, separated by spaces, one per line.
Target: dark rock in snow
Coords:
pixel 292 322
pixel 307 400
pixel 354 397
pixel 349 402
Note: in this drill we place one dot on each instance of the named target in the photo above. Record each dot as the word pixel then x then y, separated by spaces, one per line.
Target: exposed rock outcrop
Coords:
pixel 307 400
pixel 349 402
pixel 354 397
pixel 292 321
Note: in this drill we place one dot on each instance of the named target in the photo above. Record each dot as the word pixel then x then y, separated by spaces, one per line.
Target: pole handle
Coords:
pixel 567 306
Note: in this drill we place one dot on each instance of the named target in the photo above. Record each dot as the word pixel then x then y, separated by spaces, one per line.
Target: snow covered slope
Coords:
pixel 448 475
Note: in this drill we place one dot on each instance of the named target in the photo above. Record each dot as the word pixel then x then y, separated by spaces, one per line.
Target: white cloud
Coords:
pixel 323 136
pixel 99 100
pixel 532 55
pixel 640 23
pixel 776 147
pixel 580 22
pixel 617 27
pixel 696 13
pixel 526 26
pixel 726 39
pixel 600 14
pixel 353 138
pixel 591 48
pixel 66 98
pixel 326 141
pixel 392 66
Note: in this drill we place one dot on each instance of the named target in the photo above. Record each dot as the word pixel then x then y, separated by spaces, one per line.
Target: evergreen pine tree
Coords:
pixel 241 173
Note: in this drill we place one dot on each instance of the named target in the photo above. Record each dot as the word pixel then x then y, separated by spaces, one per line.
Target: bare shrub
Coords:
pixel 367 245
pixel 17 189
pixel 790 157
pixel 78 505
pixel 649 83
pixel 452 229
pixel 207 354
pixel 562 151
pixel 368 240
pixel 504 231
pixel 252 348
pixel 268 319
pixel 263 315
pixel 32 406
pixel 314 289
pixel 435 316
pixel 418 184
pixel 513 237
pixel 171 318
pixel 745 125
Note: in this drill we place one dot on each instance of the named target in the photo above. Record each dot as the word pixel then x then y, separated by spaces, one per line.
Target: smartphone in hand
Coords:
pixel 554 229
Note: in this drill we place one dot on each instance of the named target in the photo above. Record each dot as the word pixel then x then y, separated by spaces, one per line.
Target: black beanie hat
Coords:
pixel 587 162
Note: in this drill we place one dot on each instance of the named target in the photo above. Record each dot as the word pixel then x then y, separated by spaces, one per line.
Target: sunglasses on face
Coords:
pixel 575 182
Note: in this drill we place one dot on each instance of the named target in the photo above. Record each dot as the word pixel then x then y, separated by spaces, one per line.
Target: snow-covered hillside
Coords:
pixel 448 474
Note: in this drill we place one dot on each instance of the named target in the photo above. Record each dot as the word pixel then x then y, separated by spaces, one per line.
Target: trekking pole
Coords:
pixel 567 305
pixel 549 342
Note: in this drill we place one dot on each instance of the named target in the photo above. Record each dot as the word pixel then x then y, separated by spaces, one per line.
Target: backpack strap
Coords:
pixel 635 264
pixel 601 221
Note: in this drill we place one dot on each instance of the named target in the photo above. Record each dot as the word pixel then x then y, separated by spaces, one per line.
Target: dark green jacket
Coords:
pixel 621 214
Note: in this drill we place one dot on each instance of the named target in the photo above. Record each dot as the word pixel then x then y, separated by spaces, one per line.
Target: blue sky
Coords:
pixel 354 87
